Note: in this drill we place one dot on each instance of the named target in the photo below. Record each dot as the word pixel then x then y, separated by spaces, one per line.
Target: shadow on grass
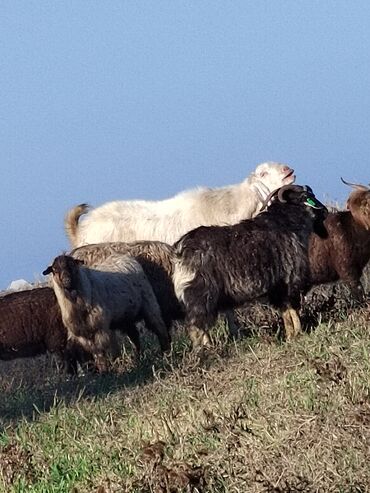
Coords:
pixel 26 402
pixel 31 400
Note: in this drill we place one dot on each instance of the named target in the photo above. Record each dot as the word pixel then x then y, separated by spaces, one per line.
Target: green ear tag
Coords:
pixel 311 203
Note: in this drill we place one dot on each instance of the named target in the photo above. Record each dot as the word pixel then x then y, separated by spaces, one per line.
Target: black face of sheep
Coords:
pixel 65 273
pixel 301 195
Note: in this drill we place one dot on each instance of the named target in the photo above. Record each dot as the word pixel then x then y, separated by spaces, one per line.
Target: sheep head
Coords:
pixel 358 203
pixel 65 272
pixel 301 196
pixel 274 175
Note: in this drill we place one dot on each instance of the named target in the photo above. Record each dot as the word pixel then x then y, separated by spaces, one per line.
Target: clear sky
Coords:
pixel 119 99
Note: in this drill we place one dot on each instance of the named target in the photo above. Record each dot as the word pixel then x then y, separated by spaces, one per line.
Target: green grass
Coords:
pixel 254 415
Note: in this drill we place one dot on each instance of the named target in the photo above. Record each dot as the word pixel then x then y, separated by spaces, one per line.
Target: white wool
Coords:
pixel 19 285
pixel 167 220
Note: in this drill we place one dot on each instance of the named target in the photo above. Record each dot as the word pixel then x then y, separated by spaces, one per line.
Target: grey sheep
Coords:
pixel 155 257
pixel 94 301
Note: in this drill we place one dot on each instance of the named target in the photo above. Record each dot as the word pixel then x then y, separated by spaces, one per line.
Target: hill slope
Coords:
pixel 255 415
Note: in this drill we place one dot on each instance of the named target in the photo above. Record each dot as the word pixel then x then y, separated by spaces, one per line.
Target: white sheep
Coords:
pixel 167 220
pixel 95 302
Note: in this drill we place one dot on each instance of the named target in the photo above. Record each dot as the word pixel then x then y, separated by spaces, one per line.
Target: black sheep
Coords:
pixel 222 267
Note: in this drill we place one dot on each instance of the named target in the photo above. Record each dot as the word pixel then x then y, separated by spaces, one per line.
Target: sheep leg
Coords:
pixel 350 276
pixel 200 301
pixel 133 334
pixel 296 321
pixel 64 364
pixel 75 354
pixel 357 291
pixel 153 320
pixel 106 347
pixel 199 337
pixel 288 324
pixel 130 329
pixel 230 319
pixel 292 323
pixel 157 326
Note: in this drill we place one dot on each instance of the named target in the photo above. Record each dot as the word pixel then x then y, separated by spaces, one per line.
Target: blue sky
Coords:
pixel 142 99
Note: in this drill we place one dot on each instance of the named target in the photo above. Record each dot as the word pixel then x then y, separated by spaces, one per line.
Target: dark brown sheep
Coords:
pixel 346 251
pixel 31 324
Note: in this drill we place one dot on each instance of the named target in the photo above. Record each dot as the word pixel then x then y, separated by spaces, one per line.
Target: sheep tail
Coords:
pixel 71 222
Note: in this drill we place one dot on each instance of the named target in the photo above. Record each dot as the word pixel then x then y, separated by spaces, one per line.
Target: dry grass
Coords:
pixel 246 417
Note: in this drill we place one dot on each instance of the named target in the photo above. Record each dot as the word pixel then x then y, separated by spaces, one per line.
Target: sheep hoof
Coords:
pixel 292 324
pixel 199 337
pixel 101 365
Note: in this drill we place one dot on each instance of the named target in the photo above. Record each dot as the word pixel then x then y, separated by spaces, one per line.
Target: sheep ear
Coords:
pixel 47 271
pixel 308 189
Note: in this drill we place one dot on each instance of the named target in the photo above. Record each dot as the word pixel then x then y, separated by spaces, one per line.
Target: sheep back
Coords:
pixel 156 259
pixel 343 254
pixel 30 324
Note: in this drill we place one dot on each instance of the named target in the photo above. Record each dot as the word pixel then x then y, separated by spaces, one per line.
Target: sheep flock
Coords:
pixel 186 259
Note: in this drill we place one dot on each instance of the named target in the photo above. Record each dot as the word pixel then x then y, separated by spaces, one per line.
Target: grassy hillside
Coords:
pixel 254 415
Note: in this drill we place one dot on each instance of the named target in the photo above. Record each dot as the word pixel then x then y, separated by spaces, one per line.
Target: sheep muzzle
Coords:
pixel 289 176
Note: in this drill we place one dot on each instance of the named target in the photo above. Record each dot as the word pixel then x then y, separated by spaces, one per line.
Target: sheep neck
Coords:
pixel 243 201
pixel 287 217
pixel 261 189
pixel 72 310
pixel 359 236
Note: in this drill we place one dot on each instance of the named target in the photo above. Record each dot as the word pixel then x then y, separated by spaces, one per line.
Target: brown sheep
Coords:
pixel 31 324
pixel 346 251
